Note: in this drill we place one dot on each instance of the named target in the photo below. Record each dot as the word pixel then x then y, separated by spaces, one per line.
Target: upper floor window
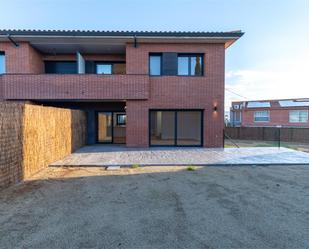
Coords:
pixel 104 68
pixel 298 116
pixel 261 116
pixel 2 63
pixel 61 67
pixel 155 64
pixel 190 64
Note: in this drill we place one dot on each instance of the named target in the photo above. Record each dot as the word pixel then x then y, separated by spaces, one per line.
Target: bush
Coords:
pixel 191 168
pixel 135 166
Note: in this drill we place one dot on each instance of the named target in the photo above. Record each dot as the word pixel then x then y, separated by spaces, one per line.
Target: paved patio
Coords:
pixel 115 155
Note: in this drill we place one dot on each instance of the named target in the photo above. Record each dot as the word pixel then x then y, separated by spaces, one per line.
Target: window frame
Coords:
pixel 48 62
pixel 107 63
pixel 121 123
pixel 103 63
pixel 299 121
pixel 161 66
pixel 190 55
pixel 235 116
pixel 176 111
pixel 2 53
pixel 261 121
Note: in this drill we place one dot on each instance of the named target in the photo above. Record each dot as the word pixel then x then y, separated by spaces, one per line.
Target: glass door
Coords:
pixel 175 128
pixel 105 127
pixel 189 128
pixel 162 128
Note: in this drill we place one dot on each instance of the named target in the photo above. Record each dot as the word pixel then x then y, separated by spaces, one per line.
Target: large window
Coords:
pixel 61 67
pixel 190 65
pixel 162 127
pixel 155 64
pixel 298 116
pixel 176 128
pixel 189 124
pixel 2 63
pixel 104 68
pixel 261 116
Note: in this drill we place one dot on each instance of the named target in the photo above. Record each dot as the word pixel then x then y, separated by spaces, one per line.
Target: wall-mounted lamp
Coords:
pixel 215 108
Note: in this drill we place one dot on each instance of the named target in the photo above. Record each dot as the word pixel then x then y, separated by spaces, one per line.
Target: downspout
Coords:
pixel 12 41
pixel 135 41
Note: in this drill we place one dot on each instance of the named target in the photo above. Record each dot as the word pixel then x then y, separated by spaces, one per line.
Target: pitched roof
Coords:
pixel 275 103
pixel 200 34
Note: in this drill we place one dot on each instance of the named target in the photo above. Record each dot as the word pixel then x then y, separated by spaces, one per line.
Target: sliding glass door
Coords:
pixel 162 127
pixel 175 127
pixel 189 126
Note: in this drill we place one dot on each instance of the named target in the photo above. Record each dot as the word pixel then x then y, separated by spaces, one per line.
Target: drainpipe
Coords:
pixel 135 41
pixel 12 41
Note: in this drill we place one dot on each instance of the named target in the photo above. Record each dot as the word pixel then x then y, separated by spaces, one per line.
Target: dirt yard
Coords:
pixel 158 207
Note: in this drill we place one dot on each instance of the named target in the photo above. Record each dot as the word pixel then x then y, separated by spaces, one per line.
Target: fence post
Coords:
pixel 279 136
pixel 223 138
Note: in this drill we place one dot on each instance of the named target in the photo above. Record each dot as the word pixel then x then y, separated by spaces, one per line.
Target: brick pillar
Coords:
pixel 137 124
pixel 213 128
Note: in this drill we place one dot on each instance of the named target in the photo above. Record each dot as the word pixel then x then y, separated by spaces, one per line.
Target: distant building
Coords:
pixel 283 112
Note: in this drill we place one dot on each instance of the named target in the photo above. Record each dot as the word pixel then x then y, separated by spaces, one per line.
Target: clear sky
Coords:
pixel 270 61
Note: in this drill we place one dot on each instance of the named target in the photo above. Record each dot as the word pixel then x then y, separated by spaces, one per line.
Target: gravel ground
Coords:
pixel 158 207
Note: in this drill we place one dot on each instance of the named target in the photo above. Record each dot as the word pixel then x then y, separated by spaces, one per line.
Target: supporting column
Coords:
pixel 137 124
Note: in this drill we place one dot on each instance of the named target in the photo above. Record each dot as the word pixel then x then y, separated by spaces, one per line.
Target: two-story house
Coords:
pixel 138 88
pixel 270 113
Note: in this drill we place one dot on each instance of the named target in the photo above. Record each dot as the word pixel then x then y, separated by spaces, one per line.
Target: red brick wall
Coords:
pixel 22 59
pixel 1 88
pixel 35 61
pixel 74 86
pixel 277 117
pixel 173 92
pixel 168 92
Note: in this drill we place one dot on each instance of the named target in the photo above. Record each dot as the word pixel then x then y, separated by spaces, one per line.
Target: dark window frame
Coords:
pixel 2 53
pixel 60 61
pixel 161 68
pixel 121 123
pixel 190 55
pixel 97 125
pixel 107 63
pixel 175 130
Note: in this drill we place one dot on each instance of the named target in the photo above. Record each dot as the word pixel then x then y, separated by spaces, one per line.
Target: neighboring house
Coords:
pixel 282 112
pixel 139 88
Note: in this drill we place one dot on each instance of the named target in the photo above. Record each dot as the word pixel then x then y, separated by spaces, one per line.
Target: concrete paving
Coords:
pixel 115 155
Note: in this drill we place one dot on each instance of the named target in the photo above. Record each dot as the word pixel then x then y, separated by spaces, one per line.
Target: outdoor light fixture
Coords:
pixel 215 108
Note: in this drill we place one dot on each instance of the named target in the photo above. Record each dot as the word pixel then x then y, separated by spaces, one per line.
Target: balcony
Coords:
pixel 73 87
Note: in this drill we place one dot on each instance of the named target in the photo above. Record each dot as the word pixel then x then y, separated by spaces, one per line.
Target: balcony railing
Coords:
pixel 73 87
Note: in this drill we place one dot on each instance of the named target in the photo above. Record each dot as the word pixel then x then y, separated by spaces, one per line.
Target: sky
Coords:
pixel 270 61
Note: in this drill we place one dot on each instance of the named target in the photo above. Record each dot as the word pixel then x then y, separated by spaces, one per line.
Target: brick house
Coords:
pixel 270 113
pixel 138 88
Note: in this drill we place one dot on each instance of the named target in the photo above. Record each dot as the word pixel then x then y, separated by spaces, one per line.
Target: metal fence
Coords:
pixel 295 138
